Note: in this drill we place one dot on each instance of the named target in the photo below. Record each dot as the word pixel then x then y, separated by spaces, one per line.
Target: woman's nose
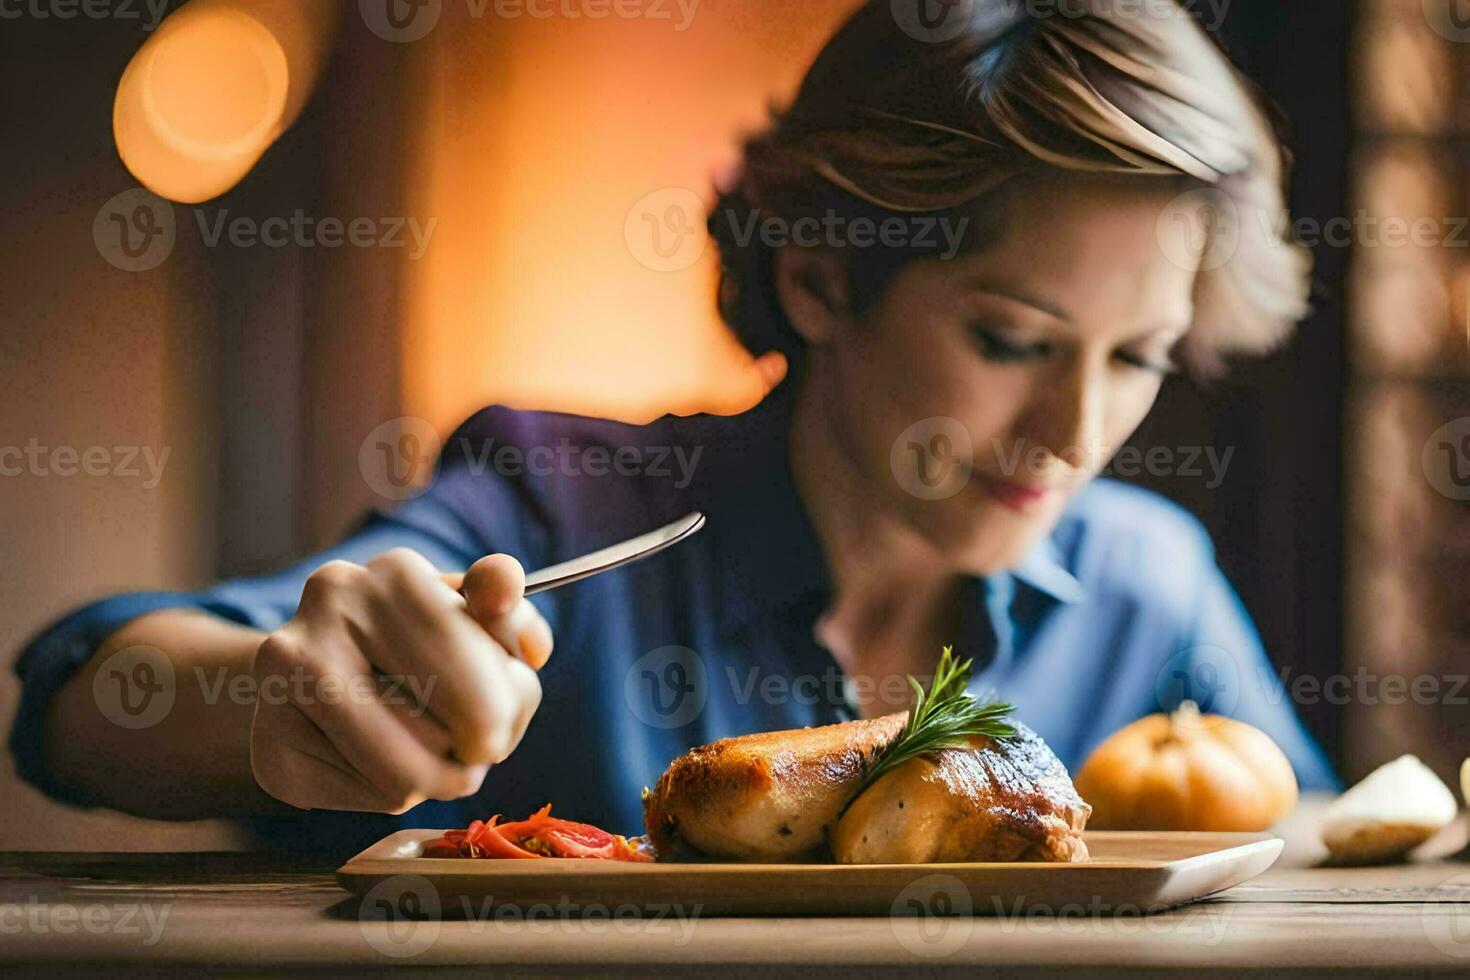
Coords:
pixel 1067 418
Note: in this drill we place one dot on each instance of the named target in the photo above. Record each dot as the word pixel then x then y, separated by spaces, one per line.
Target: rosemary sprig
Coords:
pixel 944 717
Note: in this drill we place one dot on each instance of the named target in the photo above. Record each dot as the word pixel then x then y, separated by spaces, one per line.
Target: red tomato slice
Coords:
pixel 539 835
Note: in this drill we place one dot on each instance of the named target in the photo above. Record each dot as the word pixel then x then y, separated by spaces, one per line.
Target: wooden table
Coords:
pixel 162 913
pixel 183 913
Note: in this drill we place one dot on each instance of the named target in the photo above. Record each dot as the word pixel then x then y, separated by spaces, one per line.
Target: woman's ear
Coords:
pixel 811 284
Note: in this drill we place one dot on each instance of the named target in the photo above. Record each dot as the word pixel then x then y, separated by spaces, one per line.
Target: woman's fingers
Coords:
pixel 494 589
pixel 369 728
pixel 394 692
pixel 468 681
pixel 522 633
pixel 381 743
pixel 417 629
pixel 297 764
pixel 406 581
pixel 493 586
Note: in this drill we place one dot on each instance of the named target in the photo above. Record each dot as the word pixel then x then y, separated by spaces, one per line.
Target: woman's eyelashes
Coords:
pixel 999 346
pixel 1159 364
pixel 994 345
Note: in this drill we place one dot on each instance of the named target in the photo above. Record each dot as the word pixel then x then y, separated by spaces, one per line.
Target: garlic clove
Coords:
pixel 1396 808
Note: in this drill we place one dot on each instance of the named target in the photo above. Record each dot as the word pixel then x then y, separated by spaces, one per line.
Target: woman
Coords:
pixel 1038 186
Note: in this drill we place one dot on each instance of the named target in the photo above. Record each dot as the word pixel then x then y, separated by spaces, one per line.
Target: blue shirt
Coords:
pixel 1119 613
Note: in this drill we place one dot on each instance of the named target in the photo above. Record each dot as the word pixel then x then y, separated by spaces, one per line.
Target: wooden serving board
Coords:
pixel 1129 874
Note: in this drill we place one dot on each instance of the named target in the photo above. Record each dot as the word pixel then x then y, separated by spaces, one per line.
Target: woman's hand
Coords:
pixel 388 688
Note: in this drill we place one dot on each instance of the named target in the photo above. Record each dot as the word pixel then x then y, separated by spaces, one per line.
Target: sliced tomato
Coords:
pixel 480 840
pixel 570 839
pixel 539 835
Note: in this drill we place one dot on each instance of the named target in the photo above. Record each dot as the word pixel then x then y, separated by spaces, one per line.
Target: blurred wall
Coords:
pixel 1408 517
pixel 91 356
pixel 545 150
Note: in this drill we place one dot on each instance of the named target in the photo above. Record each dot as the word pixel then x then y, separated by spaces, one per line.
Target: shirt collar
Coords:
pixel 769 551
pixel 1044 569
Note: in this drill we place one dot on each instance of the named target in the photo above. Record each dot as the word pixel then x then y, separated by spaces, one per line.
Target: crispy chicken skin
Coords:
pixel 1010 800
pixel 778 797
pixel 766 797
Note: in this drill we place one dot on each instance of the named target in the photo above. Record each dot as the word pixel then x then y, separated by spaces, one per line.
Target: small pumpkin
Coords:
pixel 1187 771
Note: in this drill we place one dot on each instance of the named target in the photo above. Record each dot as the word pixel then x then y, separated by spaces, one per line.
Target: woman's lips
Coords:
pixel 1020 497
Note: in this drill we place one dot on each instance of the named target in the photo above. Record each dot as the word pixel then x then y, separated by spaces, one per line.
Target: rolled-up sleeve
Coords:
pixel 434 525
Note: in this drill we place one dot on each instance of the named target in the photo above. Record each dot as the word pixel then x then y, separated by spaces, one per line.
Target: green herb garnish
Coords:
pixel 944 717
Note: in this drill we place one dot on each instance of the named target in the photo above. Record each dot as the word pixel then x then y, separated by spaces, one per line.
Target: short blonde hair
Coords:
pixel 898 115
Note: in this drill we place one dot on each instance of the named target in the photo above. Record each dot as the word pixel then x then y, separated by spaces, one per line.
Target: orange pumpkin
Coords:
pixel 1187 771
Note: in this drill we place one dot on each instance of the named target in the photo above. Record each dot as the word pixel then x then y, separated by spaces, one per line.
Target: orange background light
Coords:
pixel 214 87
pixel 543 149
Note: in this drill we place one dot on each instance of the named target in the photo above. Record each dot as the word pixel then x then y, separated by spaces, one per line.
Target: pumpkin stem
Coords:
pixel 1185 716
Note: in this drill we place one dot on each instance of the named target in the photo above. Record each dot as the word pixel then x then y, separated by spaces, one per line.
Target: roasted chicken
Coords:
pixel 780 796
pixel 767 797
pixel 1008 800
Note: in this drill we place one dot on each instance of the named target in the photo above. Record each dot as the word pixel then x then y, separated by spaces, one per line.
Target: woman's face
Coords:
pixel 979 393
